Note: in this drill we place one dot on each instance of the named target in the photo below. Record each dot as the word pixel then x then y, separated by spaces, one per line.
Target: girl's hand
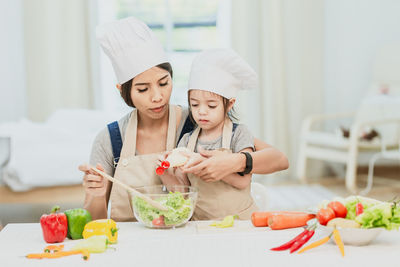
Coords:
pixel 93 183
pixel 216 165
pixel 193 160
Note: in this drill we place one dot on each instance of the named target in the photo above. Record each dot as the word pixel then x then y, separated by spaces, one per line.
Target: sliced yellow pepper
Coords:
pixel 226 222
pixel 106 227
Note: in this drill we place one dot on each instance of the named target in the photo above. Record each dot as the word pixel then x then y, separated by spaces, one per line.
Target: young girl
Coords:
pixel 215 77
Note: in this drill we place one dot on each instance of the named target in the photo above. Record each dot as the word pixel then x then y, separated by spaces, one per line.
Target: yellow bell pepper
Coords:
pixel 106 227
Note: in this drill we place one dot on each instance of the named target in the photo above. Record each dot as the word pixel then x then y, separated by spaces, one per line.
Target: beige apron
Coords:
pixel 219 199
pixel 136 170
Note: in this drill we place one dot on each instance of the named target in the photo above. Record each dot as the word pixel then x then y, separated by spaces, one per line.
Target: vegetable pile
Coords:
pixel 367 212
pixel 179 210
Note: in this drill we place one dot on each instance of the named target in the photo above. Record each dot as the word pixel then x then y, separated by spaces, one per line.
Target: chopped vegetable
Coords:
pixel 228 221
pixel 179 209
pixel 54 226
pixel 106 227
pixel 77 219
pixel 93 244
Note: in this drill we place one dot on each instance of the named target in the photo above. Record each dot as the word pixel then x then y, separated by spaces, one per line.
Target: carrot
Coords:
pixel 315 244
pixel 260 218
pixel 338 241
pixel 59 254
pixel 284 221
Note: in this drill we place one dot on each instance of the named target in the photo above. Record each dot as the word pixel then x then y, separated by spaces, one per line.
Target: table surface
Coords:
pixel 198 244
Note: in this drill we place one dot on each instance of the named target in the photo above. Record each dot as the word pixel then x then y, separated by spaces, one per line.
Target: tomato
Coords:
pixel 359 208
pixel 158 221
pixel 339 209
pixel 325 215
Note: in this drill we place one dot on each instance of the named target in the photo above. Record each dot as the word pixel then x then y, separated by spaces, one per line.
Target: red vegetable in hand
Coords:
pixel 359 208
pixel 325 215
pixel 339 209
pixel 54 226
pixel 160 171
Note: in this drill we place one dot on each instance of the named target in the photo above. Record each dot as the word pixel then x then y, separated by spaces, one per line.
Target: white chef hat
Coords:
pixel 221 71
pixel 131 46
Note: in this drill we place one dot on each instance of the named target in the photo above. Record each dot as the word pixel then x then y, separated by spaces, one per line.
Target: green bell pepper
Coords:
pixel 77 218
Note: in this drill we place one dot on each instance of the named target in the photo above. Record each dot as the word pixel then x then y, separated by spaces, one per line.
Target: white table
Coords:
pixel 198 244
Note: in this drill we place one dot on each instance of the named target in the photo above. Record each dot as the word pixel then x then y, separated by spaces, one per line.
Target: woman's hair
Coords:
pixel 127 86
pixel 225 101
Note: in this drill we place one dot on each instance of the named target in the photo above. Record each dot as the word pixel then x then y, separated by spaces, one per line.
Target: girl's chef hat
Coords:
pixel 131 46
pixel 221 71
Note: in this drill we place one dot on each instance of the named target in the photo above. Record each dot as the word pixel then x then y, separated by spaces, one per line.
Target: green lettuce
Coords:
pixel 376 216
pixel 179 209
pixel 351 202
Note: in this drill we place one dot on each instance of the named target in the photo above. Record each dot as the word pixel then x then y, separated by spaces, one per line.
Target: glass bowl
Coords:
pixel 354 236
pixel 179 199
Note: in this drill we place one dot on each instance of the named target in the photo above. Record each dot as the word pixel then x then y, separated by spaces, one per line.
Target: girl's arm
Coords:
pixel 266 159
pixel 236 180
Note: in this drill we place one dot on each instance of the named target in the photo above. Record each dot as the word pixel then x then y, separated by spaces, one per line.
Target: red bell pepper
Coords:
pixel 54 226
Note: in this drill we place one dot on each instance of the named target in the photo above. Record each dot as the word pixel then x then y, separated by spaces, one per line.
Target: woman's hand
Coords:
pixel 94 184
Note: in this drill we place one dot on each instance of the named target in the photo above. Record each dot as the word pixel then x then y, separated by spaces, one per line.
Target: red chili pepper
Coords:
pixel 299 243
pixel 359 208
pixel 54 226
pixel 165 164
pixel 291 242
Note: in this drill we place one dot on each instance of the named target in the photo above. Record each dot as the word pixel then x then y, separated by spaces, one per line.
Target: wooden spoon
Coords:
pixel 132 190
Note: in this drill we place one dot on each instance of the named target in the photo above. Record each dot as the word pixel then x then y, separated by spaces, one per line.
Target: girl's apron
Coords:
pixel 219 199
pixel 136 170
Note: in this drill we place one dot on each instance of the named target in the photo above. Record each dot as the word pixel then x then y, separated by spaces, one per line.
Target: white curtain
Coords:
pixel 57 55
pixel 283 41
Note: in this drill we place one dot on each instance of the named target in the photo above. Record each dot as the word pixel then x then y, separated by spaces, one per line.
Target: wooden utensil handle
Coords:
pixel 130 189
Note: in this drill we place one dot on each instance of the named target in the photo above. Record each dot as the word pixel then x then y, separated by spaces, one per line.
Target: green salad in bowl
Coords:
pixel 179 200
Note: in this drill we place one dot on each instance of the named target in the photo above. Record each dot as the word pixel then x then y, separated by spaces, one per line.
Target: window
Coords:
pixel 185 27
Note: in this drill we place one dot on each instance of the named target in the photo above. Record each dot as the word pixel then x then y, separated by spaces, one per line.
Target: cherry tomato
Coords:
pixel 165 164
pixel 325 215
pixel 339 209
pixel 160 170
pixel 158 221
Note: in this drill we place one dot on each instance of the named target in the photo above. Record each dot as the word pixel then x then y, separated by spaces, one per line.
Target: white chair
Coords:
pixel 259 194
pixel 380 111
pixel 393 154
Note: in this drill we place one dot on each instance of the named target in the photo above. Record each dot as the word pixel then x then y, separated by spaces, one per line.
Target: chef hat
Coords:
pixel 221 71
pixel 131 46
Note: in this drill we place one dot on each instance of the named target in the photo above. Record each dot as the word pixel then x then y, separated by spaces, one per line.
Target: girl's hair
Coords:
pixel 225 101
pixel 127 86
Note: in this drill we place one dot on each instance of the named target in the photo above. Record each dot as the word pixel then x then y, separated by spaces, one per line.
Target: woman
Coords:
pixel 154 126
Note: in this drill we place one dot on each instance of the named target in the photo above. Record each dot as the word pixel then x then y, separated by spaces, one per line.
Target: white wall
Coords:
pixel 12 72
pixel 354 30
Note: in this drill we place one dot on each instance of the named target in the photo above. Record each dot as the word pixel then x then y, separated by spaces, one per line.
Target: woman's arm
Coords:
pixel 266 160
pixel 236 180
